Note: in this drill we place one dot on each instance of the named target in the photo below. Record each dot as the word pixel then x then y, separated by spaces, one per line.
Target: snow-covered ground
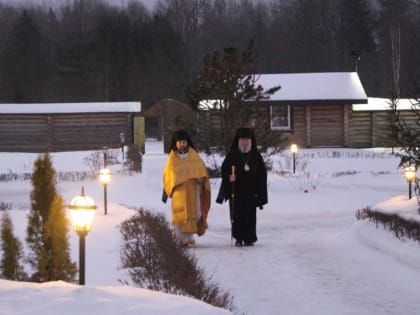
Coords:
pixel 312 256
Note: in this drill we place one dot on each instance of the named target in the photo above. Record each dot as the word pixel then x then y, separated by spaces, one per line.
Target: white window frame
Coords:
pixel 288 127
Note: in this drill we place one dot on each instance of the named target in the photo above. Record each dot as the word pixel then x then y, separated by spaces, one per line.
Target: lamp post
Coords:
pixel 104 148
pixel 82 209
pixel 122 139
pixel 294 149
pixel 105 177
pixel 410 176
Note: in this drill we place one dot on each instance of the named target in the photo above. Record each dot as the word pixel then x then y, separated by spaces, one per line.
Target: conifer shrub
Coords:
pixel 47 229
pixel 11 266
pixel 55 262
pixel 154 260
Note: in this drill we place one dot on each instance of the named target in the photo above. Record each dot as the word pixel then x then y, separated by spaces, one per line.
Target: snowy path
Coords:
pixel 317 259
pixel 312 256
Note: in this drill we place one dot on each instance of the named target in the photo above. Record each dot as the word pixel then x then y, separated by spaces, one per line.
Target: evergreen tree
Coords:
pixel 47 230
pixel 229 80
pixel 111 56
pixel 75 78
pixel 356 26
pixel 55 262
pixel 10 265
pixel 23 62
pixel 406 133
pixel 158 61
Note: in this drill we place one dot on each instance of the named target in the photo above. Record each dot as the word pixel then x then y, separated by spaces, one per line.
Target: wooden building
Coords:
pixel 320 110
pixel 312 109
pixel 66 126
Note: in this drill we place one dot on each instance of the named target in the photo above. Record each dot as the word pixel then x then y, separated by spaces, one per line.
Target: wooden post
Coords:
pixel 308 126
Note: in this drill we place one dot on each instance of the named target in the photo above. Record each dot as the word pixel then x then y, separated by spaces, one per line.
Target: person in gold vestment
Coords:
pixel 186 182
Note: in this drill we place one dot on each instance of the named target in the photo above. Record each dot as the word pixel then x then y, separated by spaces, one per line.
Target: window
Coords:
pixel 280 117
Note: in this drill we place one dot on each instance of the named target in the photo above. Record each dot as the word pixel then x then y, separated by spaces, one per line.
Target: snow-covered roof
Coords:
pixel 322 86
pixel 67 108
pixel 375 103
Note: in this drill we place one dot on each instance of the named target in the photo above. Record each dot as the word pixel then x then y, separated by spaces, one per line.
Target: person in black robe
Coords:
pixel 244 184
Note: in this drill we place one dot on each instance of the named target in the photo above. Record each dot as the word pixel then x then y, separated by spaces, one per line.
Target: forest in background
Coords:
pixel 90 50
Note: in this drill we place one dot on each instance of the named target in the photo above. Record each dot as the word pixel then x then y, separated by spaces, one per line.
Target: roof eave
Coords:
pixel 319 101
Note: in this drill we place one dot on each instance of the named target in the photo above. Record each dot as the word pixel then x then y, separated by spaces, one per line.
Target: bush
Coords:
pixel 155 261
pixel 5 205
pixel 401 227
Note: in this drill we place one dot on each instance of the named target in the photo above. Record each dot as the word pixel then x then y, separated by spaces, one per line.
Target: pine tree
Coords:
pixel 356 26
pixel 10 265
pixel 23 61
pixel 406 133
pixel 46 234
pixel 229 80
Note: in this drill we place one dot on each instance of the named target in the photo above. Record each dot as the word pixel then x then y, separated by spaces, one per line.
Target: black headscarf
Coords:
pixel 244 133
pixel 179 135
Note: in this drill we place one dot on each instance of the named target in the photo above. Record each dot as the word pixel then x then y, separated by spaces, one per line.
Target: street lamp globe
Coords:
pixel 105 176
pixel 82 210
pixel 294 148
pixel 410 173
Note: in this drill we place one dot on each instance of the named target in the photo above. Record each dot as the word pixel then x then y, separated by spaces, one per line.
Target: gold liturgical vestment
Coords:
pixel 181 176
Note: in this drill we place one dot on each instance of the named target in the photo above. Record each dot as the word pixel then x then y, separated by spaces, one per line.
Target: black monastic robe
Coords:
pixel 248 192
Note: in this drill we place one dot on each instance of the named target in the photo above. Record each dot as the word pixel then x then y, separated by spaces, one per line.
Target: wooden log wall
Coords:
pixel 327 126
pixel 371 128
pixel 361 130
pixel 64 132
pixel 312 125
pixel 24 133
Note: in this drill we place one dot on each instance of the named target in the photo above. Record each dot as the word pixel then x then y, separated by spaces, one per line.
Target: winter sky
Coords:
pixel 150 4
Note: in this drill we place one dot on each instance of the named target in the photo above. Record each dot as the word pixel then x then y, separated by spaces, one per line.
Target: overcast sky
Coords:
pixel 148 3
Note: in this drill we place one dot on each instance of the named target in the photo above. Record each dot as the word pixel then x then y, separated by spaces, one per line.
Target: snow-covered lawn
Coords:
pixel 312 256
